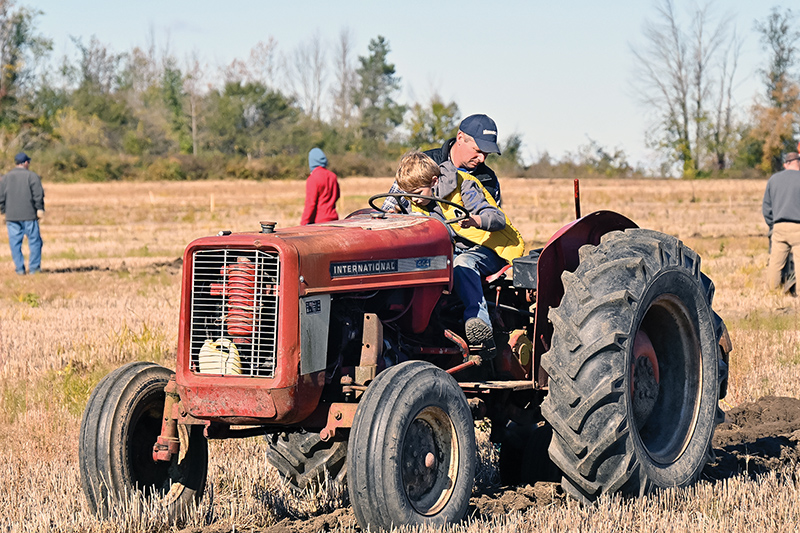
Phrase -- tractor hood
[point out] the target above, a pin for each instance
(255, 307)
(365, 251)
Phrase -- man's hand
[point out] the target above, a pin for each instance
(40, 214)
(474, 221)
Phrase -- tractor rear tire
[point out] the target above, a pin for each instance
(411, 456)
(120, 425)
(617, 428)
(304, 458)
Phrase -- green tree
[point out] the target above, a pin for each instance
(99, 82)
(21, 48)
(511, 151)
(509, 161)
(75, 131)
(46, 102)
(99, 67)
(174, 99)
(432, 125)
(146, 84)
(379, 113)
(775, 119)
(192, 83)
(598, 160)
(248, 119)
(779, 36)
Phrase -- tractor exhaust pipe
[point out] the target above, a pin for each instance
(577, 199)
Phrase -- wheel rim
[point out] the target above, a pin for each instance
(430, 460)
(145, 428)
(665, 400)
(645, 378)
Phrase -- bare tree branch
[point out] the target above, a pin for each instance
(307, 74)
(342, 106)
(679, 76)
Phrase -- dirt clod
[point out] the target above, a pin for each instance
(756, 437)
(510, 499)
(340, 518)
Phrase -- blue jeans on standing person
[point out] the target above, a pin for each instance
(16, 231)
(469, 268)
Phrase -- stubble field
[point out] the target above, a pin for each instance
(109, 294)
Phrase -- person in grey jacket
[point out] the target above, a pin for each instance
(22, 203)
(781, 210)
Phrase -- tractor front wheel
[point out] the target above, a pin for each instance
(411, 456)
(120, 425)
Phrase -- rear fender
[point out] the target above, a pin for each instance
(560, 254)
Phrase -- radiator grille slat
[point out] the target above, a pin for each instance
(234, 312)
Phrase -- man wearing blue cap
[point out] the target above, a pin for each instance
(22, 203)
(467, 151)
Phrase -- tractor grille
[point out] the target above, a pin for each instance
(234, 314)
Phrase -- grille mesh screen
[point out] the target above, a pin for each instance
(234, 312)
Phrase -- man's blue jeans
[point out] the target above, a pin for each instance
(469, 268)
(16, 231)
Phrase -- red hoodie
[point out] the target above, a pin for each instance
(322, 191)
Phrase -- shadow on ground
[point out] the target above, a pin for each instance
(171, 267)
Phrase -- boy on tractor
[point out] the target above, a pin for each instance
(484, 243)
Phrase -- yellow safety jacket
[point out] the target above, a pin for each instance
(507, 242)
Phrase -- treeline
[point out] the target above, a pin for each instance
(687, 73)
(145, 114)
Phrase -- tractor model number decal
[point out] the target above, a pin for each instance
(387, 266)
(423, 263)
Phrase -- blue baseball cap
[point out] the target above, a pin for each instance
(21, 158)
(483, 130)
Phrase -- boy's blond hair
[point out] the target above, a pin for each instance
(416, 170)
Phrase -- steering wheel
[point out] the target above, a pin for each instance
(465, 214)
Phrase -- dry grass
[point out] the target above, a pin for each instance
(110, 295)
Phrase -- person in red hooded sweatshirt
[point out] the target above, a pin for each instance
(322, 191)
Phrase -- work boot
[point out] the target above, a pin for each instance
(479, 335)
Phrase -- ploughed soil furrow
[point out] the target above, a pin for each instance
(755, 438)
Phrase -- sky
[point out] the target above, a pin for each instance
(556, 73)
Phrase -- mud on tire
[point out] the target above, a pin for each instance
(617, 428)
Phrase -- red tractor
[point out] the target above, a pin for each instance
(343, 345)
